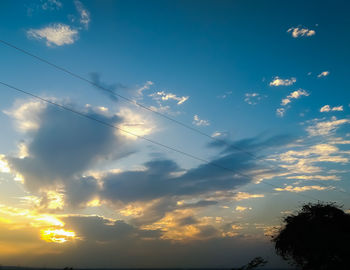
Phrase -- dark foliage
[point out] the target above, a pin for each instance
(317, 237)
(256, 262)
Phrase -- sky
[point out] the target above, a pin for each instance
(181, 136)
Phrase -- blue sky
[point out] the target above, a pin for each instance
(269, 77)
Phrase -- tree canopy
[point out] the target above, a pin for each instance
(317, 237)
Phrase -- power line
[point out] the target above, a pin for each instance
(63, 107)
(134, 102)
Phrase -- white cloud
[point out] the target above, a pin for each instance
(146, 86)
(252, 98)
(325, 128)
(301, 32)
(26, 114)
(56, 34)
(277, 81)
(242, 208)
(169, 96)
(134, 123)
(323, 74)
(327, 108)
(84, 14)
(200, 122)
(246, 196)
(301, 189)
(293, 95)
(315, 177)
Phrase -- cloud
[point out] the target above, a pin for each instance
(323, 74)
(56, 34)
(252, 98)
(147, 85)
(315, 177)
(277, 81)
(200, 122)
(301, 189)
(159, 179)
(51, 5)
(325, 127)
(161, 95)
(225, 95)
(84, 14)
(242, 208)
(280, 112)
(77, 143)
(327, 108)
(245, 196)
(301, 32)
(107, 89)
(293, 95)
(135, 123)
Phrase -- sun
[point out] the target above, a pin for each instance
(57, 235)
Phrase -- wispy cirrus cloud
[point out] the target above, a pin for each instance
(51, 5)
(56, 34)
(322, 127)
(83, 13)
(277, 81)
(200, 122)
(302, 188)
(301, 32)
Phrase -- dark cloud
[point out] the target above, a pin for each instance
(107, 89)
(158, 179)
(251, 146)
(80, 191)
(64, 145)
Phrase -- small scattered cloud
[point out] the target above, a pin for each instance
(225, 95)
(83, 13)
(277, 81)
(147, 85)
(52, 5)
(242, 208)
(301, 32)
(161, 95)
(323, 74)
(280, 112)
(252, 98)
(293, 95)
(56, 34)
(327, 108)
(220, 134)
(200, 122)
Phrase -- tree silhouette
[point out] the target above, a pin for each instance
(256, 262)
(317, 237)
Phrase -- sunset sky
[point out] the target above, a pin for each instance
(253, 96)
